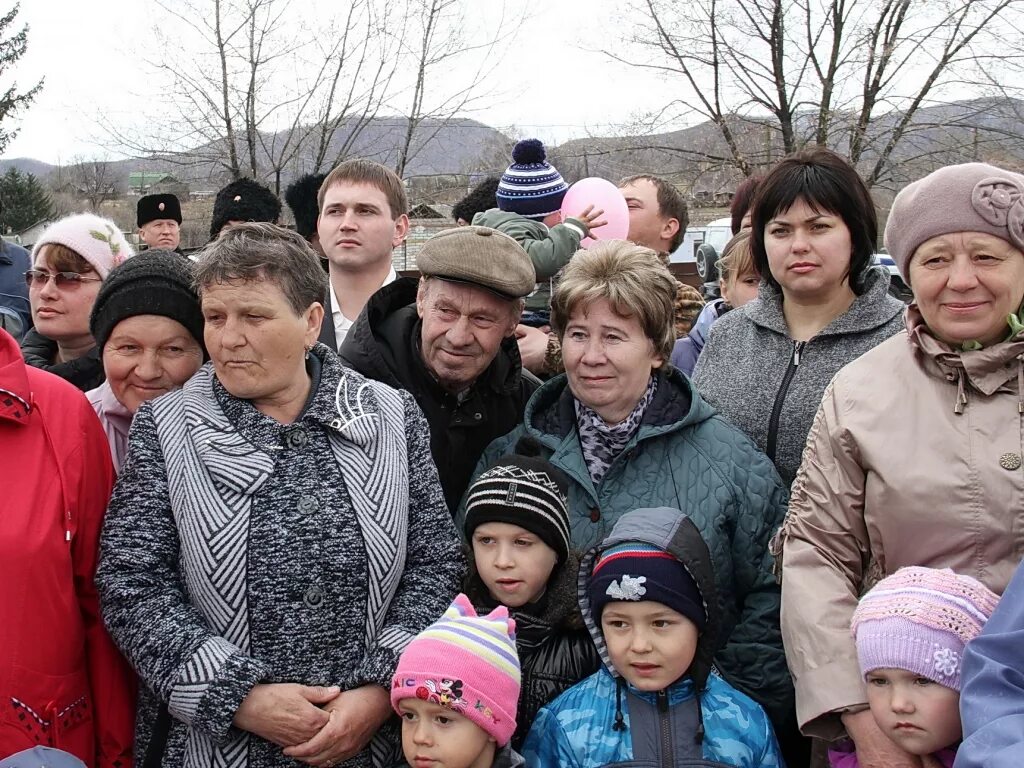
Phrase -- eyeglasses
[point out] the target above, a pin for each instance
(63, 280)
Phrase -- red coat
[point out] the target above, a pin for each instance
(63, 683)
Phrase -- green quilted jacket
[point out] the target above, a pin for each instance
(686, 457)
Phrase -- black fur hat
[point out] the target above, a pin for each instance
(244, 200)
(301, 197)
(481, 198)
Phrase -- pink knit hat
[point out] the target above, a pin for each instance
(95, 239)
(467, 663)
(971, 197)
(920, 619)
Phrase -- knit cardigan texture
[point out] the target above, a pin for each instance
(238, 550)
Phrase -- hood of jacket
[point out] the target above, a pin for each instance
(550, 415)
(671, 531)
(384, 340)
(985, 370)
(871, 309)
(85, 372)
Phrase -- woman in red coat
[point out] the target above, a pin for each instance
(63, 683)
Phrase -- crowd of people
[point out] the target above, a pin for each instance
(273, 504)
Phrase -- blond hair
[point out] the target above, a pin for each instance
(631, 278)
(737, 257)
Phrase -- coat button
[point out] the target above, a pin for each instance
(1010, 461)
(595, 514)
(314, 597)
(297, 439)
(308, 505)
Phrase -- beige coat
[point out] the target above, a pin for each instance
(914, 458)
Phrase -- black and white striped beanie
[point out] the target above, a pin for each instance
(526, 491)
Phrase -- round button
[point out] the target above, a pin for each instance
(314, 597)
(1010, 461)
(297, 439)
(308, 505)
(595, 514)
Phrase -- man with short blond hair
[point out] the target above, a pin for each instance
(363, 218)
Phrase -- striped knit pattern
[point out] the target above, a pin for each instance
(920, 620)
(530, 186)
(631, 550)
(521, 491)
(467, 663)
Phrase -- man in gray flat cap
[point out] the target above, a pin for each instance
(448, 339)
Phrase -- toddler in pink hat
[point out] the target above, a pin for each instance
(910, 632)
(456, 689)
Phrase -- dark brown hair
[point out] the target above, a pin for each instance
(827, 183)
(60, 258)
(742, 199)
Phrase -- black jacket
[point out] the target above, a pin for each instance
(86, 372)
(384, 344)
(555, 648)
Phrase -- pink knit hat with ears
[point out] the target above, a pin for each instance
(920, 619)
(467, 663)
(971, 197)
(95, 239)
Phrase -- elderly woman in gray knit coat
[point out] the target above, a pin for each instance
(277, 535)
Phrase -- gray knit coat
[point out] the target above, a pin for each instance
(749, 369)
(237, 550)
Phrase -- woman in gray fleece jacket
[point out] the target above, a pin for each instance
(820, 306)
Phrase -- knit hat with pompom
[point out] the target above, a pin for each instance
(531, 186)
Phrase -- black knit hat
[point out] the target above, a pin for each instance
(153, 207)
(522, 490)
(301, 197)
(244, 200)
(156, 282)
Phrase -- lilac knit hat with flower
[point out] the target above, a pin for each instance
(971, 197)
(920, 619)
(95, 239)
(467, 663)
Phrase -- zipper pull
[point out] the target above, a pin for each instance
(798, 348)
(662, 699)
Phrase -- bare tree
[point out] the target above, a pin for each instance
(94, 180)
(773, 76)
(435, 39)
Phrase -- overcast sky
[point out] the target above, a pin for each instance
(91, 54)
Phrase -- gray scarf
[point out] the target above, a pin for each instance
(600, 442)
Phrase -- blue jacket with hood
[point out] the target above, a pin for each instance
(992, 699)
(700, 720)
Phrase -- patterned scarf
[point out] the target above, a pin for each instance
(600, 442)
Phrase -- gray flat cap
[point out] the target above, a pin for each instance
(481, 256)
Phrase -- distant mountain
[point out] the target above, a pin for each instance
(696, 158)
(37, 168)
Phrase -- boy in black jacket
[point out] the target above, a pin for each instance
(517, 526)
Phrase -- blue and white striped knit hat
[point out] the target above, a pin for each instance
(531, 187)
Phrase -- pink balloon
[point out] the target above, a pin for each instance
(603, 195)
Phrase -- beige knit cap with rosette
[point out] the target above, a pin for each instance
(972, 197)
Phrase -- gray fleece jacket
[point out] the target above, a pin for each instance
(770, 386)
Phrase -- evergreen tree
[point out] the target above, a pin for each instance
(25, 201)
(12, 48)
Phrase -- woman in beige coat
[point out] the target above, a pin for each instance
(914, 457)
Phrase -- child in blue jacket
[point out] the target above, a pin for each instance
(648, 597)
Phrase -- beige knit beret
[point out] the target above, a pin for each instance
(972, 197)
(481, 256)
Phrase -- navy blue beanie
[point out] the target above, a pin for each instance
(531, 186)
(635, 571)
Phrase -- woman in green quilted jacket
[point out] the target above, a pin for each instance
(630, 431)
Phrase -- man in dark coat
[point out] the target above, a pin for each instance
(448, 340)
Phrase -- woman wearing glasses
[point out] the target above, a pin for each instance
(69, 262)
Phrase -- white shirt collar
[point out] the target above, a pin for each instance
(342, 324)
